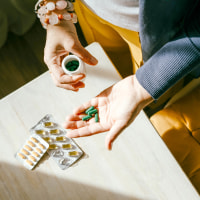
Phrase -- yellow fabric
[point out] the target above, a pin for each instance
(122, 45)
(179, 126)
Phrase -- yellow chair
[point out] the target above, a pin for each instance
(179, 126)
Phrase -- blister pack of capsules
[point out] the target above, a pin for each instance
(32, 151)
(61, 148)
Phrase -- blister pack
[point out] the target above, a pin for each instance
(61, 148)
(32, 151)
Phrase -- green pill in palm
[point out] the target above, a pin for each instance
(96, 117)
(89, 109)
(91, 112)
(86, 118)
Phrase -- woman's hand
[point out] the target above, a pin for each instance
(117, 107)
(61, 40)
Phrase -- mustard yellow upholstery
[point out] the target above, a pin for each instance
(122, 45)
(179, 127)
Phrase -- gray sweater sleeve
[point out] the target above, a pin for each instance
(172, 61)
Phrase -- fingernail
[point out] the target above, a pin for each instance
(80, 76)
(93, 60)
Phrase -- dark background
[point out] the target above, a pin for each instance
(21, 58)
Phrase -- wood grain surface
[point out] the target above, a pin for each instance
(140, 167)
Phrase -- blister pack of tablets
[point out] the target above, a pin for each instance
(61, 148)
(32, 151)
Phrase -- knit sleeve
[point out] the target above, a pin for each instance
(173, 61)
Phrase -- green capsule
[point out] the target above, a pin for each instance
(74, 68)
(71, 66)
(86, 118)
(89, 109)
(75, 62)
(96, 117)
(68, 65)
(94, 111)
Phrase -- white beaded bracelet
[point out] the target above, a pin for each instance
(53, 11)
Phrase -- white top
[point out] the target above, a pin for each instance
(122, 13)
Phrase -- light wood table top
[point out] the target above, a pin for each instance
(140, 167)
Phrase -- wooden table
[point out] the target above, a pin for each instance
(140, 167)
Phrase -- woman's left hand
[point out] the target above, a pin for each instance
(117, 107)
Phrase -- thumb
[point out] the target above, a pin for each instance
(84, 55)
(113, 133)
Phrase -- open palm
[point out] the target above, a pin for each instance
(117, 106)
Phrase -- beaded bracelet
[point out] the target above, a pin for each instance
(53, 11)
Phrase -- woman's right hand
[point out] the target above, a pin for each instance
(61, 40)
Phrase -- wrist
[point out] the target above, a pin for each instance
(65, 25)
(142, 96)
(54, 12)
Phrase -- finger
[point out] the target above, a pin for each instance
(66, 79)
(91, 129)
(79, 85)
(113, 133)
(52, 54)
(63, 78)
(74, 87)
(64, 86)
(73, 117)
(71, 121)
(59, 74)
(82, 108)
(74, 124)
(83, 54)
(60, 55)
